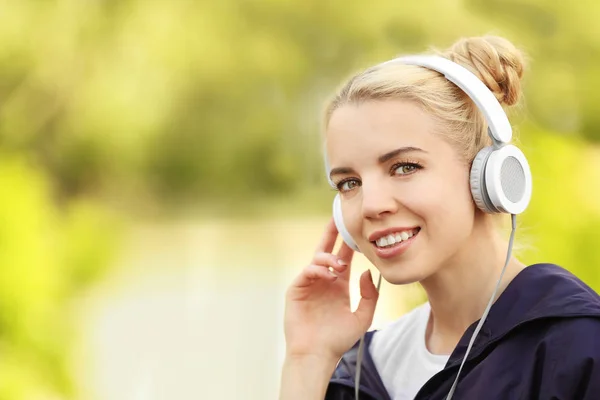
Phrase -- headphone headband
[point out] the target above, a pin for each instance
(499, 127)
(498, 124)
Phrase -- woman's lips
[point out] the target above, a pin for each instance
(396, 249)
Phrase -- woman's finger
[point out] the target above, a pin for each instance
(330, 260)
(312, 273)
(329, 237)
(366, 305)
(345, 253)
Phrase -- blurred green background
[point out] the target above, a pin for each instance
(162, 178)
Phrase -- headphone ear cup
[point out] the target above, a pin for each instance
(508, 180)
(339, 223)
(478, 182)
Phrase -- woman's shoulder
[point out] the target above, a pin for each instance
(568, 358)
(543, 291)
(574, 337)
(549, 305)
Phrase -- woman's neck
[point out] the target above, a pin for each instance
(460, 291)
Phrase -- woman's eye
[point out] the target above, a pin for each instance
(404, 169)
(348, 185)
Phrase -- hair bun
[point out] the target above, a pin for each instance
(495, 60)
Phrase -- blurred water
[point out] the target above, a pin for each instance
(196, 311)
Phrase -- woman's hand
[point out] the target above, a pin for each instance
(318, 320)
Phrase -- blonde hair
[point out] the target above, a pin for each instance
(495, 60)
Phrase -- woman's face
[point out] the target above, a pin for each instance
(396, 175)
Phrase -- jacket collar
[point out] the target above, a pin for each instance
(538, 291)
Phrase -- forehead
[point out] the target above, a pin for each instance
(369, 129)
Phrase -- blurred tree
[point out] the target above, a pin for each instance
(48, 257)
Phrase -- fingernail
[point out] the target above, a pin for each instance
(342, 262)
(331, 272)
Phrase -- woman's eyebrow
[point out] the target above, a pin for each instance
(382, 159)
(340, 171)
(408, 149)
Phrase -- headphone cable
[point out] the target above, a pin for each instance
(489, 306)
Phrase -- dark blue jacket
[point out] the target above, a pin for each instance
(541, 340)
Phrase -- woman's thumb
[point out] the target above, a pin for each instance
(366, 306)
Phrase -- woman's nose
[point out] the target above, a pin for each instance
(377, 200)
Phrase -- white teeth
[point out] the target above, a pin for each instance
(381, 242)
(393, 239)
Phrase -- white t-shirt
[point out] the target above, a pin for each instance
(401, 356)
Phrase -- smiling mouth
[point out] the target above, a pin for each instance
(396, 238)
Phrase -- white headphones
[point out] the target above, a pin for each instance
(500, 174)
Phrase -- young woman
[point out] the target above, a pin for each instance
(401, 140)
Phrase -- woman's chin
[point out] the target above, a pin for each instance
(399, 274)
(404, 279)
(402, 270)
